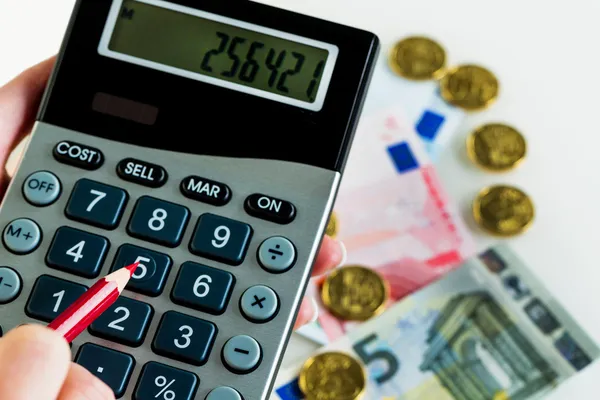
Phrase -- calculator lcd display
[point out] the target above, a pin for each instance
(220, 50)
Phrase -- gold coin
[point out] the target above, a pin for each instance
(503, 210)
(502, 395)
(496, 147)
(332, 376)
(418, 58)
(332, 226)
(355, 293)
(469, 87)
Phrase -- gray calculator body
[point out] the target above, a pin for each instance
(227, 228)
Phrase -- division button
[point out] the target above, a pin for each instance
(78, 155)
(10, 285)
(142, 172)
(22, 236)
(41, 188)
(259, 304)
(241, 354)
(276, 254)
(205, 190)
(224, 393)
(269, 208)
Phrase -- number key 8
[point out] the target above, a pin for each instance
(158, 221)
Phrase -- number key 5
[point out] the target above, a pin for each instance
(221, 239)
(96, 204)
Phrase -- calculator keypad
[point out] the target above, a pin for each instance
(151, 275)
(221, 239)
(110, 366)
(77, 252)
(125, 322)
(184, 338)
(51, 296)
(171, 383)
(203, 288)
(158, 221)
(96, 204)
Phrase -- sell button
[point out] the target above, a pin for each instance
(142, 172)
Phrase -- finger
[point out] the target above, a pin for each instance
(309, 312)
(331, 254)
(82, 385)
(19, 101)
(34, 362)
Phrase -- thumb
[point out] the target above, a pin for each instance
(34, 362)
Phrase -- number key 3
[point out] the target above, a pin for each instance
(221, 239)
(96, 204)
(184, 338)
(203, 288)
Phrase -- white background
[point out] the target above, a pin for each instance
(546, 55)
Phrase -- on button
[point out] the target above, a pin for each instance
(270, 208)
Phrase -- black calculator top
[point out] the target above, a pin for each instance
(212, 116)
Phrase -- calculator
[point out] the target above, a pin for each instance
(205, 140)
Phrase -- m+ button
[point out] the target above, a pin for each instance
(22, 236)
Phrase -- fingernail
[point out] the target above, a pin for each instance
(344, 254)
(315, 307)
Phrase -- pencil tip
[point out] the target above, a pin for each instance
(131, 268)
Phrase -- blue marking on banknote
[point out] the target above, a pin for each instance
(290, 391)
(429, 125)
(403, 157)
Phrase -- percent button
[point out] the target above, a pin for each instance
(277, 254)
(161, 382)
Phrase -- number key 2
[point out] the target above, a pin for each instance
(203, 288)
(51, 296)
(221, 239)
(125, 322)
(184, 338)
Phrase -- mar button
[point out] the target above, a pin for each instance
(142, 172)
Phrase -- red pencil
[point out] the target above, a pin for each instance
(79, 315)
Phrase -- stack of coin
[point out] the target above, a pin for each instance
(355, 293)
(332, 376)
(499, 210)
(332, 226)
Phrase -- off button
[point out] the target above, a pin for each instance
(41, 188)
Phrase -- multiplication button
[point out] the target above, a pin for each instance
(41, 188)
(259, 304)
(22, 236)
(277, 254)
(10, 285)
(159, 381)
(241, 354)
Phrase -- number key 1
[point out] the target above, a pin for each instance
(51, 296)
(96, 204)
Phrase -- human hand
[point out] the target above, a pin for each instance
(34, 361)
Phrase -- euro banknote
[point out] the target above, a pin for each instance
(393, 215)
(434, 120)
(489, 330)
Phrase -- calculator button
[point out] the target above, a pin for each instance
(78, 155)
(242, 354)
(269, 208)
(110, 366)
(125, 322)
(203, 288)
(96, 204)
(10, 285)
(221, 239)
(159, 381)
(142, 172)
(158, 221)
(22, 236)
(77, 252)
(184, 338)
(205, 190)
(51, 296)
(224, 393)
(259, 304)
(276, 254)
(41, 188)
(151, 274)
